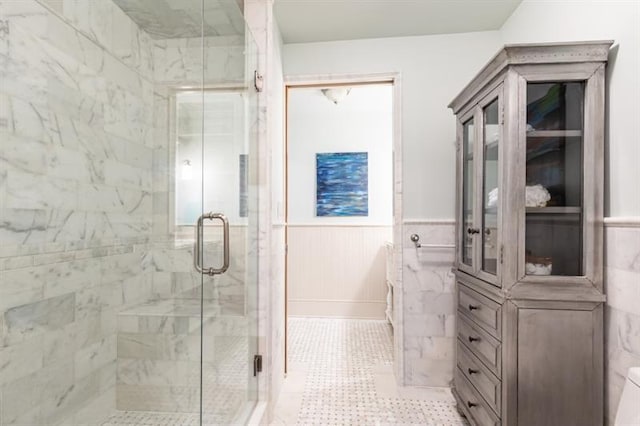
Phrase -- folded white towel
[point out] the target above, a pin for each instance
(536, 196)
(537, 269)
(492, 200)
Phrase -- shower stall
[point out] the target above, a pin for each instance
(128, 213)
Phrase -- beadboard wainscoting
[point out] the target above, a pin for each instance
(337, 270)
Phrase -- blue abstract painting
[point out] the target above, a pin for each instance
(342, 184)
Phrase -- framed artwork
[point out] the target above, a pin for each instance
(342, 184)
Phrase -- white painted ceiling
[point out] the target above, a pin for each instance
(303, 21)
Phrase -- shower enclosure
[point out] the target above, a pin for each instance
(128, 212)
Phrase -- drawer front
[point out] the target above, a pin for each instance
(484, 346)
(484, 311)
(473, 403)
(480, 377)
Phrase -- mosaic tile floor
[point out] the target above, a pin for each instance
(340, 373)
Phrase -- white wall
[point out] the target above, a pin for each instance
(433, 70)
(362, 122)
(535, 21)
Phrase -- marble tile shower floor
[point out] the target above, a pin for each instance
(340, 373)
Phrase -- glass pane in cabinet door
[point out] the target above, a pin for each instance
(467, 191)
(554, 179)
(491, 139)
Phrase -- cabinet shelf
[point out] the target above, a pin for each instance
(554, 210)
(554, 133)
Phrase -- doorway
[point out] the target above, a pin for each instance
(341, 141)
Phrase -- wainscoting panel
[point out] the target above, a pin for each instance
(337, 271)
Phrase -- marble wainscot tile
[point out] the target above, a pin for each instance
(428, 304)
(622, 311)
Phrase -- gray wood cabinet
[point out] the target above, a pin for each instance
(529, 239)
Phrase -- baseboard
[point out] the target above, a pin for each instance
(337, 309)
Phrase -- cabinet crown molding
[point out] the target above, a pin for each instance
(530, 53)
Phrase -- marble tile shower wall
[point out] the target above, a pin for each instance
(622, 313)
(179, 62)
(76, 182)
(428, 305)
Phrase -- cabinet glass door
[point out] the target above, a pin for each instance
(467, 192)
(490, 167)
(554, 179)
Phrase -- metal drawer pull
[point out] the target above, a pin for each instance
(474, 339)
(197, 252)
(474, 307)
(471, 404)
(472, 231)
(471, 371)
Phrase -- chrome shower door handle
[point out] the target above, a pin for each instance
(197, 252)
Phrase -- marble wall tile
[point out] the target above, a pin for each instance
(158, 372)
(23, 322)
(169, 399)
(91, 358)
(76, 113)
(428, 307)
(62, 405)
(18, 289)
(622, 311)
(21, 359)
(101, 407)
(163, 325)
(30, 391)
(159, 346)
(181, 60)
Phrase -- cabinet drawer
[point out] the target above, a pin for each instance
(484, 311)
(481, 344)
(473, 403)
(480, 377)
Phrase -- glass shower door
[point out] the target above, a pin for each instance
(122, 122)
(225, 251)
